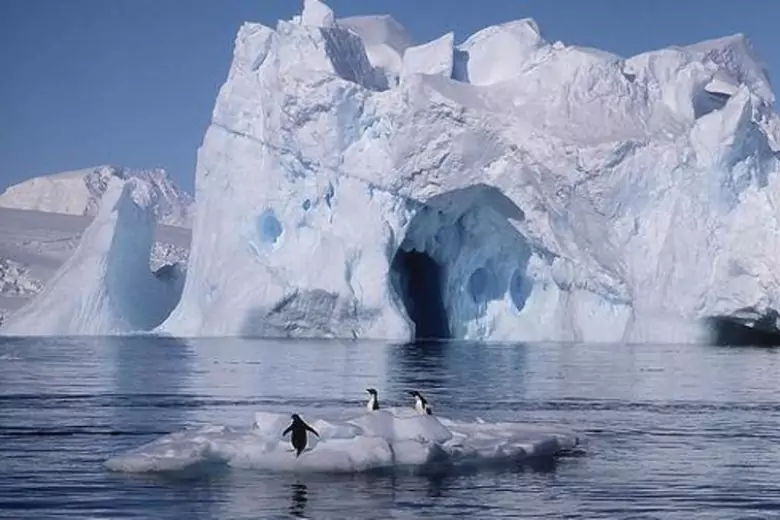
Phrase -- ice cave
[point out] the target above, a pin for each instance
(461, 254)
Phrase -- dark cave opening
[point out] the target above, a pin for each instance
(755, 329)
(418, 281)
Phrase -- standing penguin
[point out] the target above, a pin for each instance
(298, 429)
(420, 404)
(373, 401)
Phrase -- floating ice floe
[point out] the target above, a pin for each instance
(393, 438)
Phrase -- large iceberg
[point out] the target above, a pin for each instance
(107, 286)
(504, 188)
(354, 184)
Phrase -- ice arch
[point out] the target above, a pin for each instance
(461, 261)
(106, 286)
(418, 282)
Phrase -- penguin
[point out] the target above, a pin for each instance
(420, 404)
(298, 429)
(373, 401)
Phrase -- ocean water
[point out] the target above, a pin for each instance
(678, 431)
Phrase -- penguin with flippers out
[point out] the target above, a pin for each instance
(298, 429)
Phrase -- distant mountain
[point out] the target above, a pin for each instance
(79, 192)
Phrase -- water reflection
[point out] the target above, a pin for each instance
(154, 374)
(299, 499)
(288, 371)
(150, 365)
(449, 372)
(420, 363)
(436, 484)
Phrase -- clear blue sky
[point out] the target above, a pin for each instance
(133, 82)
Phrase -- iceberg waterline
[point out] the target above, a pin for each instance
(388, 439)
(507, 188)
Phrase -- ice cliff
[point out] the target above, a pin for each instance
(354, 184)
(79, 193)
(106, 286)
(504, 188)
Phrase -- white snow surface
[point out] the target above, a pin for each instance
(434, 57)
(79, 192)
(565, 193)
(393, 438)
(317, 14)
(106, 286)
(385, 41)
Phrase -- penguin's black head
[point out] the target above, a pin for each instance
(415, 393)
(295, 417)
(371, 391)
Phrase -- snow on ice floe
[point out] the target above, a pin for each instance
(106, 286)
(393, 438)
(505, 188)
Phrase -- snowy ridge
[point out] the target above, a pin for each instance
(385, 41)
(106, 286)
(507, 188)
(79, 192)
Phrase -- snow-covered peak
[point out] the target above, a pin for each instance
(317, 14)
(499, 52)
(379, 30)
(432, 58)
(735, 56)
(385, 41)
(79, 193)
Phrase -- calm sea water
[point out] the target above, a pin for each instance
(672, 431)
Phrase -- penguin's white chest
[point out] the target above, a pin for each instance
(419, 405)
(371, 403)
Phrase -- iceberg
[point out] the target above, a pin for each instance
(353, 183)
(107, 286)
(507, 188)
(395, 439)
